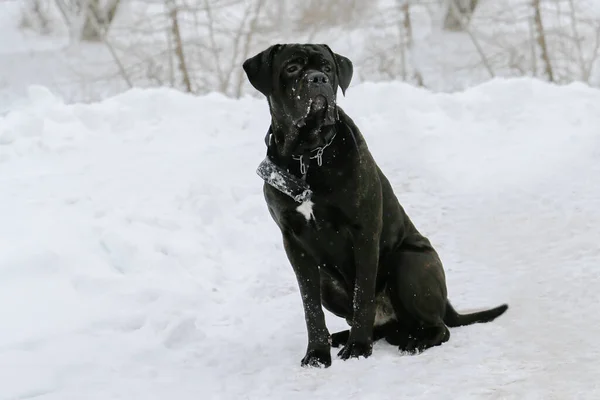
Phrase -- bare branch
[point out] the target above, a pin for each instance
(541, 39)
(96, 25)
(407, 21)
(213, 45)
(179, 45)
(459, 11)
(249, 38)
(484, 59)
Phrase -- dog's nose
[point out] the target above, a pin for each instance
(316, 78)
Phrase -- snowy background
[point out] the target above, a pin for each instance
(197, 46)
(138, 259)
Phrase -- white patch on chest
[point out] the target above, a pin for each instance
(306, 209)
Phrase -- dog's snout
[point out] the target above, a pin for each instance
(317, 78)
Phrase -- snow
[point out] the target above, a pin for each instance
(138, 259)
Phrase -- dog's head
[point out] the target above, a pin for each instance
(300, 82)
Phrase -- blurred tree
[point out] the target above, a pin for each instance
(459, 13)
(199, 46)
(35, 16)
(178, 42)
(540, 35)
(88, 20)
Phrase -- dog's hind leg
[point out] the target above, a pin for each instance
(340, 338)
(418, 293)
(336, 300)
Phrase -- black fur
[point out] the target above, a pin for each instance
(359, 254)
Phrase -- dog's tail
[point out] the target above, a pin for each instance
(454, 319)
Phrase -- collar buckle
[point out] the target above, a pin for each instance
(302, 165)
(319, 156)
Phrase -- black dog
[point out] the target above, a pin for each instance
(351, 245)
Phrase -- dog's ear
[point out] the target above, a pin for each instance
(259, 69)
(344, 68)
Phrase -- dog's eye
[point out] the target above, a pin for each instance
(327, 69)
(292, 68)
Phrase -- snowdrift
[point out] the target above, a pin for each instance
(138, 259)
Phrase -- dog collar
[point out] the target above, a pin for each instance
(318, 152)
(286, 182)
(318, 155)
(283, 181)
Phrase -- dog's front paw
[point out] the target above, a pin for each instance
(355, 350)
(317, 358)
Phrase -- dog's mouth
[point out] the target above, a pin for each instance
(319, 103)
(315, 112)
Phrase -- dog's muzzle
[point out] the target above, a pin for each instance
(316, 100)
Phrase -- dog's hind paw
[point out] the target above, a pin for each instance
(339, 338)
(317, 358)
(356, 350)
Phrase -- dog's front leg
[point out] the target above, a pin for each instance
(318, 352)
(366, 257)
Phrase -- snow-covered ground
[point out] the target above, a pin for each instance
(138, 259)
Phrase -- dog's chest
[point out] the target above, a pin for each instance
(312, 215)
(319, 225)
(306, 209)
(311, 221)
